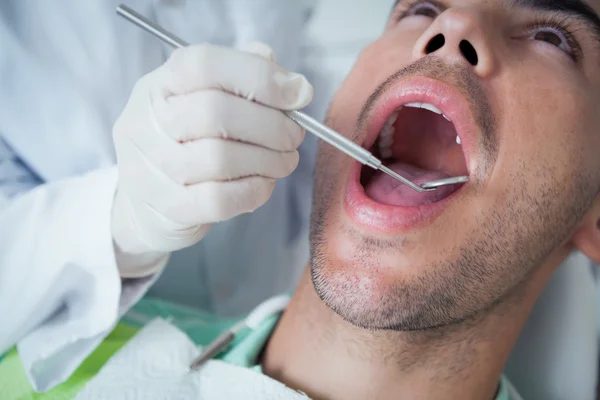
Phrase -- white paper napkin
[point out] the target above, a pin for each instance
(153, 365)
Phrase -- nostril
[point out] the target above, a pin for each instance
(468, 52)
(435, 44)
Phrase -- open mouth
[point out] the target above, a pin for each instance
(420, 143)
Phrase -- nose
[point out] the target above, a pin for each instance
(458, 35)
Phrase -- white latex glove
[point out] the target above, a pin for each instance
(201, 140)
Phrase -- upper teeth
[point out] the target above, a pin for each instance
(427, 106)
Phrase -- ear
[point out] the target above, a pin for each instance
(587, 235)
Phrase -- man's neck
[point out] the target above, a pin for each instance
(315, 351)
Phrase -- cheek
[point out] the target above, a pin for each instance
(329, 176)
(545, 124)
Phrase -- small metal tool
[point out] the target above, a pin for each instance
(310, 124)
(274, 305)
(214, 348)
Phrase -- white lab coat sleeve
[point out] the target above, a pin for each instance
(60, 289)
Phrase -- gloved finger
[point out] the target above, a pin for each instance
(260, 49)
(214, 114)
(219, 201)
(187, 205)
(210, 202)
(202, 67)
(222, 160)
(143, 182)
(159, 232)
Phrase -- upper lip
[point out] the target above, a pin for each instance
(425, 90)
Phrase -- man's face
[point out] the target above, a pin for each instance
(520, 84)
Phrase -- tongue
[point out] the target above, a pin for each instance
(384, 189)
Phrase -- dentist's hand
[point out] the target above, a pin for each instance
(201, 140)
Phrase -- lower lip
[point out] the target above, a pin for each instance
(382, 218)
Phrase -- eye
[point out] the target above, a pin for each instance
(551, 37)
(417, 8)
(424, 9)
(556, 34)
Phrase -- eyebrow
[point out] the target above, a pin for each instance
(575, 8)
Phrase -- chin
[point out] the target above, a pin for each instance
(368, 299)
(382, 283)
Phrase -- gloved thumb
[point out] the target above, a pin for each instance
(260, 49)
(298, 88)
